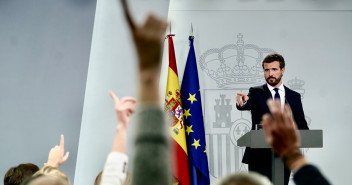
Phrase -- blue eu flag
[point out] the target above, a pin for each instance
(193, 121)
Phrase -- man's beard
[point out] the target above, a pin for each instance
(275, 82)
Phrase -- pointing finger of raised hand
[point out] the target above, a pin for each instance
(275, 109)
(273, 106)
(268, 126)
(114, 97)
(288, 111)
(128, 15)
(288, 116)
(62, 141)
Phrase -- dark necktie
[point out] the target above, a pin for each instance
(277, 95)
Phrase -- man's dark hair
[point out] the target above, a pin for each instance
(16, 175)
(274, 57)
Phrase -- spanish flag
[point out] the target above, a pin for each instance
(173, 107)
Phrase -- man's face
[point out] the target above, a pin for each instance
(273, 73)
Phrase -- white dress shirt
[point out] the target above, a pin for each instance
(281, 93)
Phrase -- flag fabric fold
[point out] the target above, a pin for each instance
(193, 121)
(173, 108)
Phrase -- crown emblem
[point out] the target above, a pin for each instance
(297, 85)
(238, 63)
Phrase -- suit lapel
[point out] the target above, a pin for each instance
(264, 97)
(267, 92)
(288, 96)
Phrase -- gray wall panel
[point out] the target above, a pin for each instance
(44, 54)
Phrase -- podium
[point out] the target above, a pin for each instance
(256, 139)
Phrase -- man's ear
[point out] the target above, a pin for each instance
(283, 70)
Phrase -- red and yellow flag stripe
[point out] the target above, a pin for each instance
(173, 107)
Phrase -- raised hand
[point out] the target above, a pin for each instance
(124, 109)
(147, 38)
(280, 129)
(56, 155)
(241, 98)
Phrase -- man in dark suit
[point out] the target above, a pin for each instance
(259, 160)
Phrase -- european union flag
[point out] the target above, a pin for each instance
(193, 121)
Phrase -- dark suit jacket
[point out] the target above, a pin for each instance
(309, 175)
(258, 107)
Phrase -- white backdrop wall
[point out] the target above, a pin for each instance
(44, 55)
(315, 39)
(112, 66)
